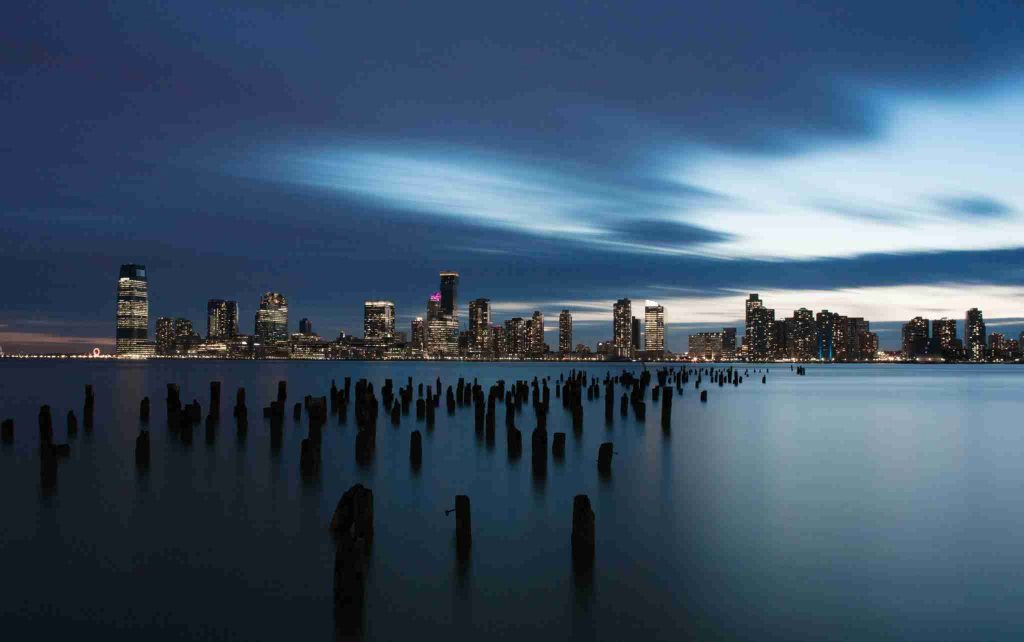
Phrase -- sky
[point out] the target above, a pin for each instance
(862, 158)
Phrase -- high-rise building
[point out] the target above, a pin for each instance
(186, 339)
(517, 337)
(564, 332)
(826, 324)
(636, 335)
(305, 326)
(221, 319)
(654, 330)
(536, 348)
(499, 346)
(760, 322)
(272, 319)
(997, 346)
(450, 294)
(480, 328)
(802, 335)
(728, 344)
(712, 346)
(132, 311)
(622, 328)
(165, 336)
(379, 322)
(915, 337)
(418, 334)
(945, 331)
(974, 335)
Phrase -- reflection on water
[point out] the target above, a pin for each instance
(865, 502)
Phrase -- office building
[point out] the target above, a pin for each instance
(379, 323)
(132, 331)
(165, 336)
(419, 334)
(654, 330)
(802, 335)
(450, 294)
(758, 332)
(272, 319)
(221, 319)
(915, 337)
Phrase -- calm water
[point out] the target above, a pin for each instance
(856, 503)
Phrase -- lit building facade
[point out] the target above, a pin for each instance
(654, 330)
(915, 337)
(221, 319)
(418, 332)
(622, 328)
(379, 322)
(132, 332)
(974, 335)
(564, 332)
(272, 318)
(450, 294)
(536, 341)
(517, 338)
(480, 328)
(757, 336)
(165, 336)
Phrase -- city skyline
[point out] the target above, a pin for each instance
(827, 336)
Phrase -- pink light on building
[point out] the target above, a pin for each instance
(436, 296)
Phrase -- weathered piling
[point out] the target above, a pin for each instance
(142, 449)
(309, 458)
(703, 395)
(539, 448)
(666, 409)
(558, 445)
(421, 410)
(463, 524)
(583, 533)
(297, 411)
(396, 415)
(72, 423)
(514, 441)
(282, 390)
(624, 405)
(415, 449)
(87, 410)
(604, 458)
(352, 525)
(45, 425)
(144, 410)
(7, 431)
(215, 400)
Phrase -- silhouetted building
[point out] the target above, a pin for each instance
(132, 331)
(221, 319)
(418, 334)
(565, 332)
(450, 294)
(974, 335)
(915, 337)
(654, 330)
(635, 336)
(622, 328)
(305, 326)
(945, 331)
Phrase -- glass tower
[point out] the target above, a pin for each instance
(132, 311)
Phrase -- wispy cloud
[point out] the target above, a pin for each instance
(973, 207)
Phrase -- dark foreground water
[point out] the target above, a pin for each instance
(856, 503)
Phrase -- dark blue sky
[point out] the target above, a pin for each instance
(864, 159)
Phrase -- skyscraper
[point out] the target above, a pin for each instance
(132, 311)
(802, 335)
(826, 324)
(915, 337)
(636, 335)
(165, 336)
(221, 319)
(305, 326)
(419, 334)
(480, 328)
(272, 318)
(654, 330)
(758, 333)
(442, 329)
(536, 348)
(945, 331)
(622, 328)
(379, 322)
(517, 337)
(565, 332)
(974, 335)
(450, 294)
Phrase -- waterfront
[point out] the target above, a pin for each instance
(858, 502)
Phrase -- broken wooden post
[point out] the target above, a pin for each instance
(583, 533)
